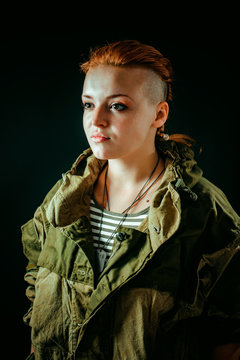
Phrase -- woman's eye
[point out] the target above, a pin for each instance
(87, 105)
(118, 107)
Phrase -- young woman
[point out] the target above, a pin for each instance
(133, 254)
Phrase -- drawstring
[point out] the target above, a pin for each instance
(181, 186)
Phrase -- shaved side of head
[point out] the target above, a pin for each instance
(155, 88)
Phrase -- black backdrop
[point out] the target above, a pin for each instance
(42, 130)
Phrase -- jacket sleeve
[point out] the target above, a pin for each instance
(219, 272)
(33, 237)
(210, 246)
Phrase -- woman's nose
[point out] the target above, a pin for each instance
(99, 118)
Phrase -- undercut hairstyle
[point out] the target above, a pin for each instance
(132, 53)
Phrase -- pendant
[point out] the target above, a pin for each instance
(101, 259)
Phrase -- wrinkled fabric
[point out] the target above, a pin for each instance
(170, 290)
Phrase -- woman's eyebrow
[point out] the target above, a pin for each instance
(110, 96)
(118, 95)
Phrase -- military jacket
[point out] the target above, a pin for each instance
(170, 290)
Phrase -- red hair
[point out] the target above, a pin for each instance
(130, 53)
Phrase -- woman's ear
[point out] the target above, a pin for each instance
(162, 110)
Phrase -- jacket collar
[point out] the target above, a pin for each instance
(72, 199)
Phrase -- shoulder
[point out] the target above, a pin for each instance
(214, 196)
(217, 221)
(78, 168)
(50, 194)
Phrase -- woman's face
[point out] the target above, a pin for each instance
(118, 115)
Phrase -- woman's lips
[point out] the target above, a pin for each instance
(99, 138)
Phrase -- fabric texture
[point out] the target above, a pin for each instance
(171, 289)
(104, 224)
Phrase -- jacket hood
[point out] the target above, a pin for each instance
(182, 158)
(73, 197)
(179, 155)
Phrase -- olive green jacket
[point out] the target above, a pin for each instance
(170, 290)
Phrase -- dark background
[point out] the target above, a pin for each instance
(42, 128)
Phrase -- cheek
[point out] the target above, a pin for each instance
(132, 134)
(126, 130)
(139, 126)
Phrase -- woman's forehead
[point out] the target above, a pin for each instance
(110, 79)
(115, 74)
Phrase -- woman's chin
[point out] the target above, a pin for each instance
(104, 155)
(101, 155)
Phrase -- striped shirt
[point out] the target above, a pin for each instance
(104, 224)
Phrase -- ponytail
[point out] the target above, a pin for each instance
(180, 138)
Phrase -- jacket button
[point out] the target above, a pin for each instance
(120, 236)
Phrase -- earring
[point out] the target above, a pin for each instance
(161, 133)
(165, 137)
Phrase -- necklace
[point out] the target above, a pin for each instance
(101, 253)
(139, 195)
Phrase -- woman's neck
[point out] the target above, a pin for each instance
(132, 180)
(125, 178)
(130, 172)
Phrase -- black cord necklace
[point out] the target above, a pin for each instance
(139, 196)
(102, 254)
